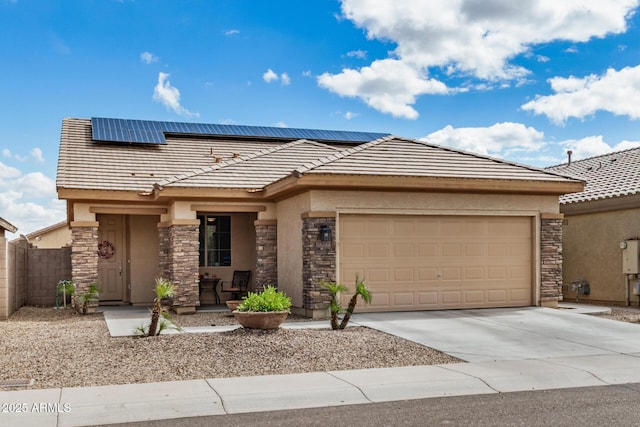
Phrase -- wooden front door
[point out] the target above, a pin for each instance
(112, 256)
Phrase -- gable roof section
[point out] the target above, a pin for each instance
(255, 170)
(398, 163)
(407, 157)
(608, 176)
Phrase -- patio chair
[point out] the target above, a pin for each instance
(239, 284)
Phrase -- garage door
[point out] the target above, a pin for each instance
(437, 262)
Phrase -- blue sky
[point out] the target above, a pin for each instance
(523, 81)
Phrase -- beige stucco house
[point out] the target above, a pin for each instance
(54, 236)
(427, 227)
(599, 223)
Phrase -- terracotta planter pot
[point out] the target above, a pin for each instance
(260, 320)
(232, 304)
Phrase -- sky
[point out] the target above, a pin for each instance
(523, 81)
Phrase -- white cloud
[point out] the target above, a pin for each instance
(388, 85)
(281, 125)
(269, 76)
(595, 146)
(148, 58)
(362, 54)
(36, 154)
(6, 152)
(169, 96)
(615, 91)
(466, 37)
(500, 140)
(29, 201)
(231, 32)
(8, 171)
(350, 115)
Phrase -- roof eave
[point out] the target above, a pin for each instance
(294, 184)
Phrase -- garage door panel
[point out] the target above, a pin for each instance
(403, 298)
(433, 262)
(451, 297)
(427, 298)
(474, 297)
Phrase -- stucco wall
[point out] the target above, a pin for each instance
(431, 203)
(290, 246)
(143, 257)
(53, 239)
(591, 251)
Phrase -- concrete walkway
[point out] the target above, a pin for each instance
(618, 364)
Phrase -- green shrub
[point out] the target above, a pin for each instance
(270, 299)
(65, 286)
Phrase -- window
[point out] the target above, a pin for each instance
(215, 240)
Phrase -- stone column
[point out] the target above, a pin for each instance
(163, 255)
(550, 259)
(266, 253)
(84, 256)
(184, 266)
(318, 262)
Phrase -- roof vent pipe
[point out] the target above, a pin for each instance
(218, 159)
(236, 155)
(569, 153)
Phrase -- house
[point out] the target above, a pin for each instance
(6, 291)
(51, 237)
(598, 223)
(427, 227)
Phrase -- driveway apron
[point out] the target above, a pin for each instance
(509, 333)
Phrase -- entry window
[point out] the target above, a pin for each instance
(215, 240)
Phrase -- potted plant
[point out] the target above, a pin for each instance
(263, 310)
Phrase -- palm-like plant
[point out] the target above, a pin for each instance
(336, 308)
(164, 289)
(83, 300)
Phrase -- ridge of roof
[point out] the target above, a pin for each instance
(239, 159)
(596, 157)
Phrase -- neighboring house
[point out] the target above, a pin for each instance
(427, 227)
(52, 237)
(597, 222)
(6, 306)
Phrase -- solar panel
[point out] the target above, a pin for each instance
(153, 132)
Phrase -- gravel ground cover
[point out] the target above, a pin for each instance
(61, 349)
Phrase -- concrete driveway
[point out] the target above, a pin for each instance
(509, 333)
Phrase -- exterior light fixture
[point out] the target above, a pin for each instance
(325, 233)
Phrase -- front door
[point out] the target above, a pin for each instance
(111, 257)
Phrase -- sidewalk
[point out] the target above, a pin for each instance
(218, 396)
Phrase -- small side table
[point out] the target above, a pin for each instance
(212, 282)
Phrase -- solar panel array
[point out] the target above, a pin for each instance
(153, 132)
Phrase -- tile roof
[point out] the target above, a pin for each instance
(255, 170)
(396, 156)
(188, 161)
(607, 176)
(84, 164)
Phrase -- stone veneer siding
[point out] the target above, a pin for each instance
(163, 255)
(266, 255)
(551, 261)
(184, 264)
(318, 262)
(84, 257)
